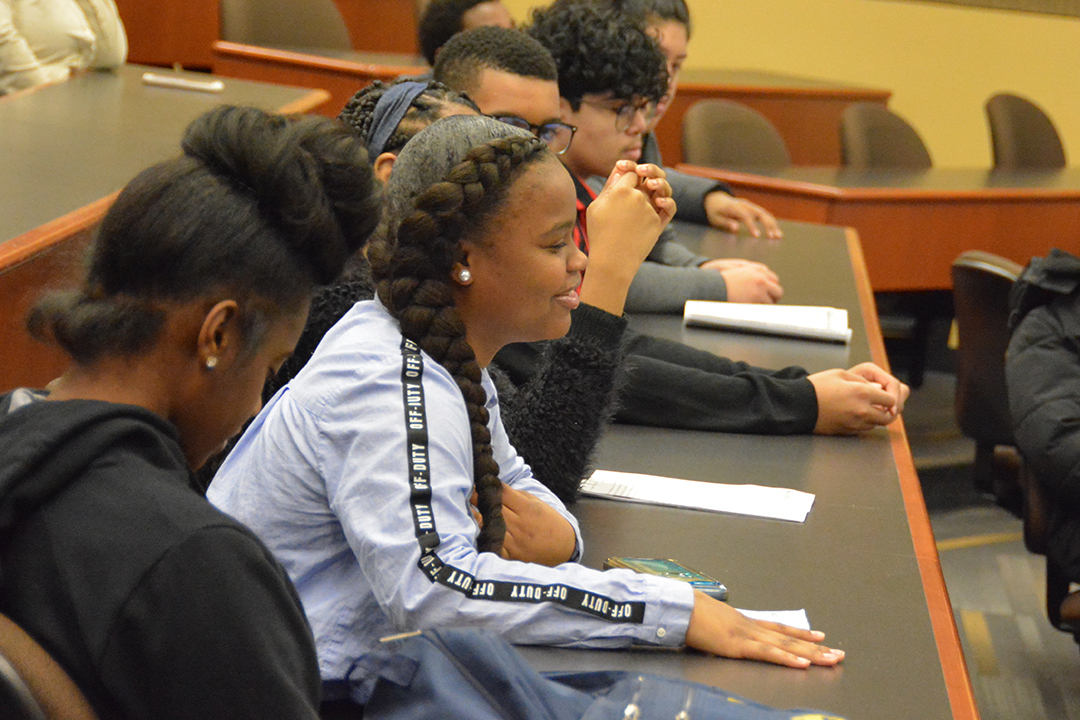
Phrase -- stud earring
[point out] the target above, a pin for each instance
(464, 275)
(211, 362)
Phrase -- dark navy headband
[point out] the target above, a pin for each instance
(391, 107)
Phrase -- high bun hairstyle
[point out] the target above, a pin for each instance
(259, 209)
(426, 108)
(447, 183)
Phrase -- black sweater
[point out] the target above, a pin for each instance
(158, 605)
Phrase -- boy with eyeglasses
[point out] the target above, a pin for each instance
(513, 77)
(611, 76)
(510, 77)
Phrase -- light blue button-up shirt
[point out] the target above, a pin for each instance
(323, 476)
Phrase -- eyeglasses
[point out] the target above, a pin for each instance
(556, 135)
(624, 114)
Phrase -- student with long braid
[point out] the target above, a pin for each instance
(359, 474)
(555, 419)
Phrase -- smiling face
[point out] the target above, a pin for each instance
(673, 40)
(525, 267)
(598, 144)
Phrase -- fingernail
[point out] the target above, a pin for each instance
(836, 655)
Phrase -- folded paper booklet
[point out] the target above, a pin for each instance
(757, 500)
(803, 321)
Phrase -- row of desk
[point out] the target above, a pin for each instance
(863, 565)
(914, 223)
(805, 111)
(65, 151)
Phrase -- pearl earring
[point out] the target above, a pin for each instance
(464, 275)
(211, 362)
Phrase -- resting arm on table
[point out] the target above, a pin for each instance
(672, 274)
(672, 385)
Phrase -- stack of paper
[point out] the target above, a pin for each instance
(804, 321)
(778, 503)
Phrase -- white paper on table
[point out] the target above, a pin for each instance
(792, 618)
(768, 502)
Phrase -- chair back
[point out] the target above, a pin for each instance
(311, 24)
(872, 136)
(981, 285)
(724, 133)
(33, 686)
(1022, 134)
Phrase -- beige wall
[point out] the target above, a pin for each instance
(941, 62)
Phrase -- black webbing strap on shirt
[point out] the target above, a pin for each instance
(412, 372)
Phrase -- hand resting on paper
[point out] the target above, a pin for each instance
(857, 400)
(720, 629)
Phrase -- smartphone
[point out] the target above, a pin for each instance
(671, 569)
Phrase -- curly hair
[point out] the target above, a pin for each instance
(440, 21)
(599, 52)
(447, 184)
(359, 112)
(466, 55)
(647, 12)
(259, 206)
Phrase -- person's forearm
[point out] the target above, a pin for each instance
(664, 289)
(556, 416)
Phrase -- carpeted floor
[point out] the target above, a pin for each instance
(1021, 667)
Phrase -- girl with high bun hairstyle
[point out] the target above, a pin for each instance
(359, 474)
(158, 605)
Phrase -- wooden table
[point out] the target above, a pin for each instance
(806, 112)
(864, 565)
(65, 150)
(340, 73)
(913, 224)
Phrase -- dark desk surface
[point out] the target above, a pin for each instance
(65, 151)
(913, 224)
(861, 563)
(953, 182)
(65, 146)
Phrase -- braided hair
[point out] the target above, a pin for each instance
(447, 184)
(428, 107)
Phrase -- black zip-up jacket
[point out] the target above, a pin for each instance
(159, 606)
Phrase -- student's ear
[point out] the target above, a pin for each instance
(219, 338)
(460, 273)
(383, 165)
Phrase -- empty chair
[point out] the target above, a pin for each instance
(1022, 134)
(724, 133)
(981, 285)
(312, 24)
(872, 136)
(33, 686)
